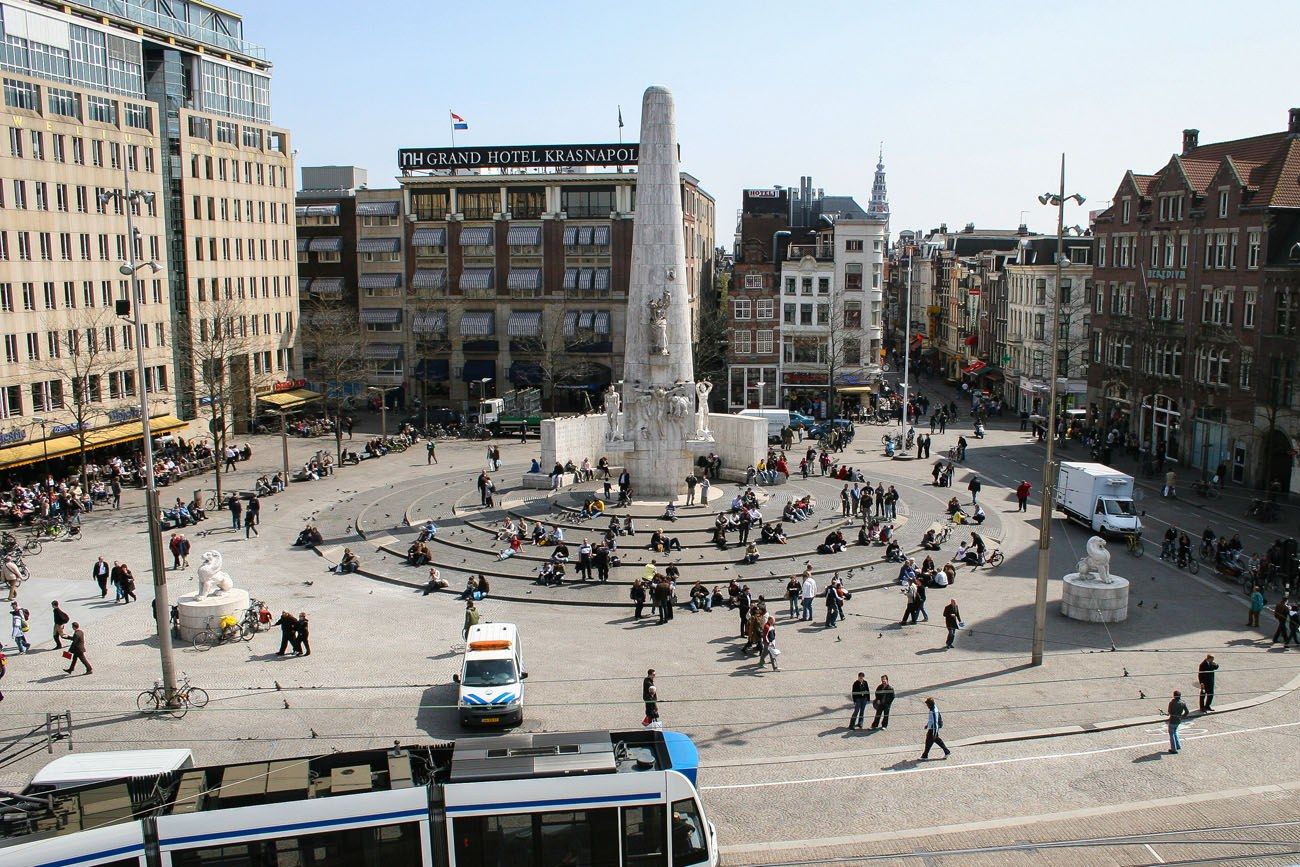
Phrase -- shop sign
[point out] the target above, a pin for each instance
(127, 414)
(11, 436)
(289, 385)
(800, 378)
(518, 156)
(59, 429)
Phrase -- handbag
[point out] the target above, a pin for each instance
(67, 654)
(875, 703)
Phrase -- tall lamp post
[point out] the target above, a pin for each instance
(1057, 200)
(45, 442)
(383, 405)
(482, 391)
(130, 311)
(907, 343)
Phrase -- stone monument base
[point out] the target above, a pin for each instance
(194, 614)
(1094, 602)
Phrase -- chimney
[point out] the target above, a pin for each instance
(1191, 137)
(970, 227)
(1022, 229)
(943, 228)
(1293, 121)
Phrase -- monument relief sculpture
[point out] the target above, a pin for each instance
(659, 323)
(612, 402)
(702, 390)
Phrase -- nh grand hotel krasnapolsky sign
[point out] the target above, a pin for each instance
(517, 157)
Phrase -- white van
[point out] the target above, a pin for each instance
(492, 676)
(81, 768)
(776, 420)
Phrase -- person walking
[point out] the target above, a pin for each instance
(255, 508)
(288, 633)
(1205, 677)
(650, 695)
(116, 487)
(250, 523)
(1256, 607)
(236, 509)
(909, 613)
(20, 627)
(61, 619)
(100, 572)
(974, 488)
(832, 597)
(174, 545)
(115, 577)
(767, 644)
(1282, 614)
(1022, 496)
(128, 584)
(432, 448)
(884, 698)
(1177, 712)
(303, 634)
(78, 650)
(860, 692)
(933, 723)
(952, 620)
(471, 618)
(637, 595)
(663, 600)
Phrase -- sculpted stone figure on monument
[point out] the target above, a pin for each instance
(612, 402)
(212, 580)
(659, 323)
(702, 390)
(1095, 564)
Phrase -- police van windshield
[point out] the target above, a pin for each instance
(489, 672)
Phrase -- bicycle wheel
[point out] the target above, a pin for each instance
(1135, 546)
(206, 640)
(195, 696)
(247, 630)
(996, 558)
(1193, 565)
(147, 701)
(32, 546)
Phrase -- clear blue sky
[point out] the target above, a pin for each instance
(974, 101)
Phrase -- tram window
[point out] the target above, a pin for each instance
(688, 834)
(379, 846)
(644, 840)
(581, 839)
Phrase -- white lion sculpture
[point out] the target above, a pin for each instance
(1095, 565)
(212, 580)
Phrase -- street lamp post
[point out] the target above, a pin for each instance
(482, 390)
(1048, 495)
(130, 310)
(45, 442)
(383, 405)
(907, 342)
(759, 385)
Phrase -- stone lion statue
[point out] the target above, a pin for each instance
(212, 580)
(1095, 565)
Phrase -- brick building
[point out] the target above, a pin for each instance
(1196, 309)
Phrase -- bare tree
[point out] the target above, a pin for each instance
(85, 362)
(333, 354)
(559, 348)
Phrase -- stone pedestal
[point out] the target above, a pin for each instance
(1093, 601)
(194, 613)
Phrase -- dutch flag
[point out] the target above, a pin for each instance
(458, 122)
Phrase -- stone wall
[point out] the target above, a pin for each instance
(573, 438)
(740, 440)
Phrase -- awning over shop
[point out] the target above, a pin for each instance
(476, 236)
(57, 447)
(381, 315)
(972, 339)
(437, 369)
(525, 323)
(429, 278)
(477, 323)
(478, 368)
(377, 209)
(429, 238)
(974, 367)
(524, 236)
(379, 245)
(285, 400)
(325, 245)
(855, 389)
(526, 373)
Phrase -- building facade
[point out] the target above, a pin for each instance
(1194, 327)
(175, 104)
(471, 284)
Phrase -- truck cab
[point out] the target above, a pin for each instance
(1098, 497)
(492, 677)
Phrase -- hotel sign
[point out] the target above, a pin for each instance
(1166, 274)
(518, 156)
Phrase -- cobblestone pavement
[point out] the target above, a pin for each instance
(779, 764)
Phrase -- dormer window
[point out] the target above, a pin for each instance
(1223, 203)
(1126, 210)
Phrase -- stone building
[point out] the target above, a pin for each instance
(1196, 319)
(177, 103)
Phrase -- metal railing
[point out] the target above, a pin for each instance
(149, 18)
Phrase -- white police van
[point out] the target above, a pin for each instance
(492, 676)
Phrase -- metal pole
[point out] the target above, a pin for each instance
(162, 606)
(284, 445)
(1048, 494)
(907, 339)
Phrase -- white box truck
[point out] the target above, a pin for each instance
(1097, 497)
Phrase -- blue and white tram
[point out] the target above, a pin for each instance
(587, 799)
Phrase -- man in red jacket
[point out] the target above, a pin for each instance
(1022, 496)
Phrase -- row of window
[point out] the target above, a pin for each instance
(236, 287)
(68, 198)
(61, 102)
(520, 203)
(53, 394)
(745, 342)
(210, 168)
(62, 148)
(243, 326)
(821, 350)
(1170, 206)
(76, 342)
(1212, 365)
(90, 296)
(1167, 303)
(1220, 250)
(234, 249)
(44, 248)
(233, 210)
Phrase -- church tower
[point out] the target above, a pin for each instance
(879, 207)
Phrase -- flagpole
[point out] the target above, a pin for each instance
(619, 169)
(452, 124)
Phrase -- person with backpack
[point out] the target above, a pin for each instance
(933, 723)
(19, 617)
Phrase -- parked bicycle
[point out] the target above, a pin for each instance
(228, 630)
(257, 617)
(154, 701)
(1133, 543)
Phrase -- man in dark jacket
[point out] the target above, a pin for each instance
(236, 509)
(288, 633)
(1177, 713)
(861, 694)
(884, 698)
(100, 572)
(952, 620)
(1205, 676)
(61, 619)
(78, 650)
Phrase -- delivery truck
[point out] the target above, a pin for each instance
(1097, 497)
(511, 411)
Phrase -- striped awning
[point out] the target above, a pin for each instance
(585, 319)
(429, 278)
(525, 323)
(585, 277)
(379, 245)
(429, 238)
(570, 278)
(302, 244)
(325, 245)
(476, 236)
(601, 325)
(570, 323)
(476, 278)
(524, 278)
(381, 315)
(318, 211)
(380, 281)
(600, 237)
(477, 323)
(584, 236)
(377, 209)
(602, 278)
(304, 283)
(383, 351)
(429, 322)
(524, 236)
(331, 287)
(570, 235)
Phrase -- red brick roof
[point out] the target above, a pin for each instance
(1283, 185)
(1268, 164)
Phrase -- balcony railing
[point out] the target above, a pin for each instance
(820, 252)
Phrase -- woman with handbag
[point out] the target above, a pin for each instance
(767, 646)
